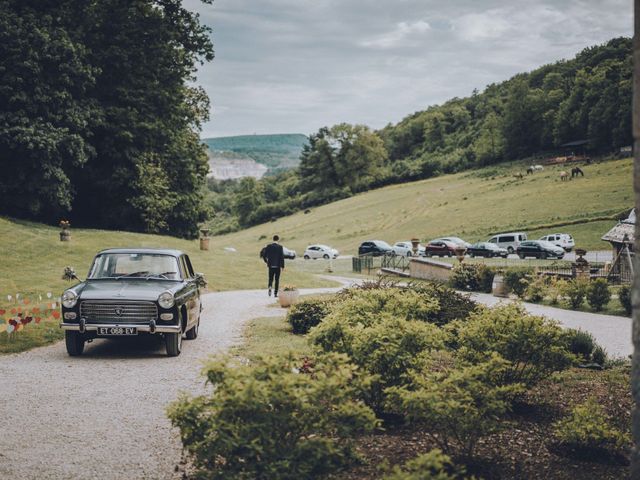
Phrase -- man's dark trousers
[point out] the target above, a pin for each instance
(274, 274)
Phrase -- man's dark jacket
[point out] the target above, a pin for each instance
(274, 255)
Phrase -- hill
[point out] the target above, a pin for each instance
(247, 153)
(472, 204)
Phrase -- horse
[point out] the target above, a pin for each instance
(518, 175)
(530, 170)
(576, 171)
(564, 176)
(537, 168)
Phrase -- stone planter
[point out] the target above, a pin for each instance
(415, 246)
(288, 298)
(65, 235)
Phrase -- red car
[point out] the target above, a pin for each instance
(440, 248)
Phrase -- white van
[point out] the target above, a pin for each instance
(563, 240)
(510, 241)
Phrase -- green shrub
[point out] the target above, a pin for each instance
(452, 305)
(516, 280)
(584, 346)
(533, 346)
(308, 313)
(474, 277)
(599, 355)
(273, 419)
(574, 291)
(386, 348)
(434, 465)
(624, 295)
(598, 294)
(457, 406)
(536, 288)
(589, 427)
(555, 290)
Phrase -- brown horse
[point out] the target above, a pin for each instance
(576, 171)
(518, 175)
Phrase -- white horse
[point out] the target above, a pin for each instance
(539, 168)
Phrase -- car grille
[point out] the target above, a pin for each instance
(101, 312)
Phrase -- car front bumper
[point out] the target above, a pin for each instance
(150, 327)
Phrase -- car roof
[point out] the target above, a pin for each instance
(154, 251)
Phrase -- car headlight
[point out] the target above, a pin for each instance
(69, 299)
(166, 300)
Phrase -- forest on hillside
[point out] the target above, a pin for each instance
(99, 115)
(530, 115)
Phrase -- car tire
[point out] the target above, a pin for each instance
(306, 257)
(74, 342)
(472, 255)
(521, 255)
(510, 250)
(173, 343)
(543, 255)
(325, 256)
(192, 333)
(409, 254)
(449, 254)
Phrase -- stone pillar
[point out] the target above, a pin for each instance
(635, 371)
(204, 239)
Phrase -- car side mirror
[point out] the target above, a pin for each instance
(70, 274)
(200, 280)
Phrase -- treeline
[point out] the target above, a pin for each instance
(99, 120)
(531, 114)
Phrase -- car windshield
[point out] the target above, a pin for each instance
(548, 244)
(382, 244)
(135, 265)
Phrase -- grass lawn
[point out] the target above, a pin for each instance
(270, 335)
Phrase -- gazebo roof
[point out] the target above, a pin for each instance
(625, 228)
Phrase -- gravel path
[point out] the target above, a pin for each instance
(102, 415)
(610, 331)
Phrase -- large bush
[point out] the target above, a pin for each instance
(434, 465)
(533, 346)
(517, 279)
(589, 427)
(598, 294)
(386, 348)
(457, 406)
(624, 294)
(474, 277)
(274, 419)
(308, 313)
(452, 305)
(584, 346)
(574, 291)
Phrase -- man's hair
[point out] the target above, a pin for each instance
(276, 238)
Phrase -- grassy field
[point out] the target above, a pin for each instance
(473, 205)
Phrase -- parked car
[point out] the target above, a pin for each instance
(374, 247)
(405, 249)
(487, 249)
(510, 241)
(456, 240)
(131, 291)
(289, 254)
(320, 251)
(539, 249)
(440, 248)
(563, 240)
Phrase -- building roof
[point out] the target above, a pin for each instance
(624, 228)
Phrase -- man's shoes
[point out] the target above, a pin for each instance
(270, 293)
(275, 294)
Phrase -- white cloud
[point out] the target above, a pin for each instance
(402, 35)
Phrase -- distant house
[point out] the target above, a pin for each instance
(622, 238)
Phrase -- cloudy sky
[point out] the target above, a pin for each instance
(293, 66)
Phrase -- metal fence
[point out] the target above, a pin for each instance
(395, 262)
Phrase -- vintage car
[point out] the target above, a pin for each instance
(131, 291)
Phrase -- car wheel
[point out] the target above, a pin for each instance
(74, 342)
(306, 257)
(192, 333)
(472, 255)
(409, 254)
(449, 254)
(173, 343)
(325, 256)
(521, 255)
(543, 256)
(510, 250)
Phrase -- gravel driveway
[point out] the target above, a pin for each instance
(102, 415)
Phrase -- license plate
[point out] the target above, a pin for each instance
(117, 331)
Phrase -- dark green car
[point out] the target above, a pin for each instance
(131, 292)
(539, 249)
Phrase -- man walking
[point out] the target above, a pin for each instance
(274, 258)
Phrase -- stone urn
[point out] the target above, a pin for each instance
(65, 233)
(415, 246)
(288, 297)
(460, 251)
